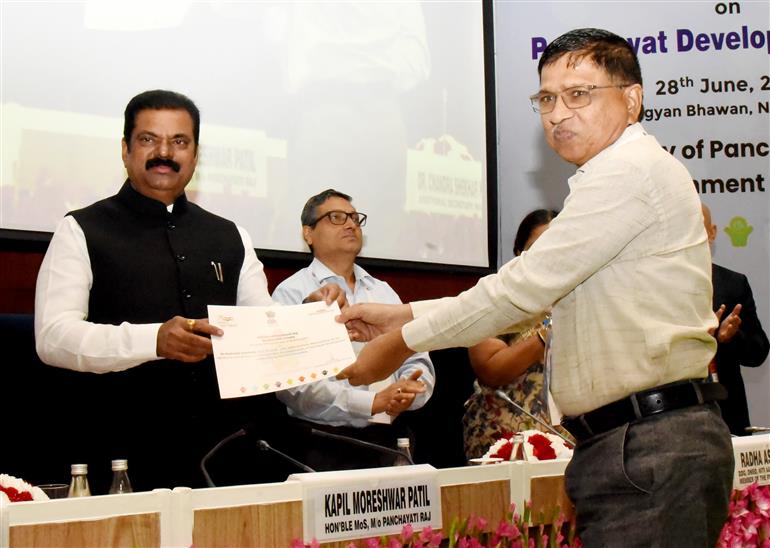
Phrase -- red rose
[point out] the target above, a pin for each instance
(541, 447)
(14, 495)
(505, 451)
(24, 496)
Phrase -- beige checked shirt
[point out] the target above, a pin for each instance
(627, 270)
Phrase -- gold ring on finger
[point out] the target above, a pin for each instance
(191, 324)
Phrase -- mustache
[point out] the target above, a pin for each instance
(155, 162)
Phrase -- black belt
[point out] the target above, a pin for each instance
(643, 404)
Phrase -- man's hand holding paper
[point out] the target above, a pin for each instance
(367, 321)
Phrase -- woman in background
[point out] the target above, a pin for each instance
(512, 363)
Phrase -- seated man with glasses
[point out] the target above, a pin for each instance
(331, 226)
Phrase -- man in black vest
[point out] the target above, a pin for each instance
(121, 297)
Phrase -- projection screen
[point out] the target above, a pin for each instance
(381, 100)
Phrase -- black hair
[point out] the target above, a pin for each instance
(607, 50)
(528, 224)
(159, 99)
(308, 216)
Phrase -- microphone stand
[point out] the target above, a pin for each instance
(369, 445)
(264, 446)
(217, 447)
(502, 395)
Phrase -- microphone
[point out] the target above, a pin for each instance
(361, 443)
(502, 395)
(212, 452)
(753, 429)
(264, 446)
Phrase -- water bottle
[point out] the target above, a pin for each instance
(120, 481)
(403, 448)
(79, 483)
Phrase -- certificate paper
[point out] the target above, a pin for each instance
(270, 348)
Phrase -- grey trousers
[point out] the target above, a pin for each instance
(659, 482)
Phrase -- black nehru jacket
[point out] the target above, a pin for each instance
(149, 265)
(748, 348)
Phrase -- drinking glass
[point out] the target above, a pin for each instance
(55, 490)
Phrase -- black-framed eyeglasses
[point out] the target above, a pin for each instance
(338, 217)
(574, 97)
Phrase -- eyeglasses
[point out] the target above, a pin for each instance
(574, 97)
(337, 217)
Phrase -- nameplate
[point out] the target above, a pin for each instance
(752, 460)
(353, 504)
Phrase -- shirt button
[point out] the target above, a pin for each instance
(181, 257)
(186, 294)
(171, 225)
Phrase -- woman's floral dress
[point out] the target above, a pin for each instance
(487, 417)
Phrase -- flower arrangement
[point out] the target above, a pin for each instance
(18, 490)
(536, 446)
(748, 521)
(512, 532)
(427, 538)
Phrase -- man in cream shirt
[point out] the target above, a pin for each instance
(626, 268)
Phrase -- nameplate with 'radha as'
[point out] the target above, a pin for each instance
(752, 461)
